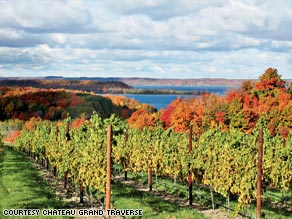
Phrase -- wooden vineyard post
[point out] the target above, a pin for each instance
(190, 172)
(150, 178)
(55, 168)
(108, 170)
(81, 195)
(260, 173)
(55, 172)
(126, 142)
(150, 173)
(65, 179)
(68, 139)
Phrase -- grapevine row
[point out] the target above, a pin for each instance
(224, 160)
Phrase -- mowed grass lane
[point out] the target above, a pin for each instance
(22, 187)
(127, 197)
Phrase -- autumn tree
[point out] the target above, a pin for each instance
(247, 86)
(182, 116)
(269, 81)
(166, 113)
(143, 117)
(271, 73)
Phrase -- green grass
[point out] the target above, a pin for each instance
(126, 197)
(272, 207)
(22, 187)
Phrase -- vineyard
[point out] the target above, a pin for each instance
(232, 151)
(154, 109)
(224, 161)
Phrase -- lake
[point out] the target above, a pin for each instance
(160, 101)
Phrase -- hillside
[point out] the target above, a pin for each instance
(101, 85)
(84, 85)
(54, 104)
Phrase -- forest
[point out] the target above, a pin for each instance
(84, 85)
(53, 104)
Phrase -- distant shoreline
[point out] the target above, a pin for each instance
(100, 87)
(136, 81)
(158, 92)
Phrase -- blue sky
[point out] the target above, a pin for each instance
(149, 38)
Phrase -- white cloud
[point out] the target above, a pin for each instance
(184, 38)
(287, 45)
(44, 15)
(10, 34)
(160, 9)
(59, 38)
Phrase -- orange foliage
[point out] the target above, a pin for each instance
(124, 101)
(284, 99)
(143, 117)
(77, 123)
(182, 116)
(10, 138)
(239, 108)
(30, 124)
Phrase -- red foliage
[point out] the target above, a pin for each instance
(126, 113)
(270, 84)
(63, 103)
(248, 101)
(220, 117)
(251, 117)
(284, 132)
(27, 102)
(77, 123)
(75, 100)
(166, 113)
(234, 94)
(15, 115)
(22, 116)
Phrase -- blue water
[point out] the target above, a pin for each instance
(157, 100)
(160, 101)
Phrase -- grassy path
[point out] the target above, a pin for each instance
(273, 206)
(22, 187)
(153, 206)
